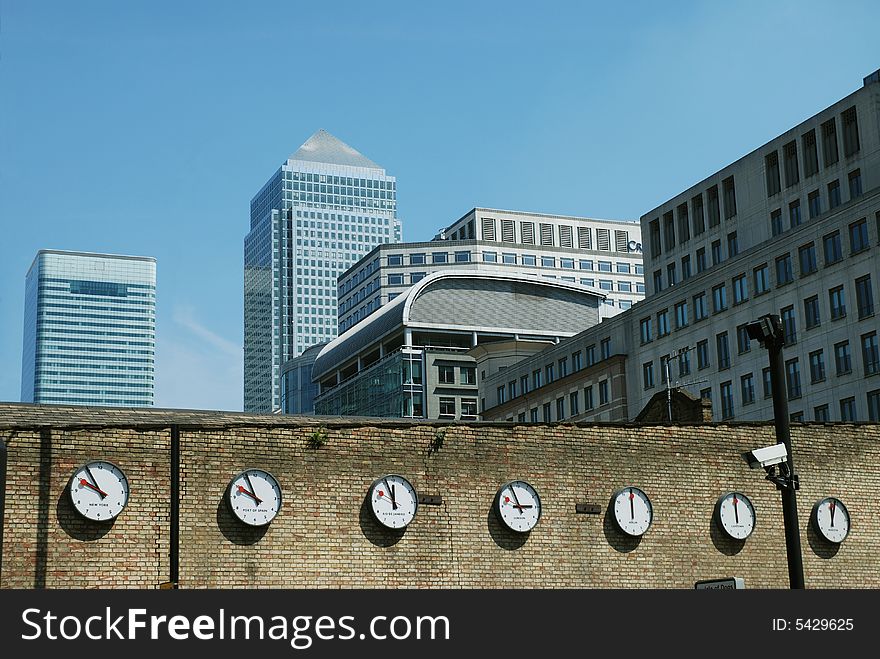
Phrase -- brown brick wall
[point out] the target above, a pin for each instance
(323, 538)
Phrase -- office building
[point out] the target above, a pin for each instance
(89, 330)
(321, 211)
(600, 254)
(792, 229)
(413, 357)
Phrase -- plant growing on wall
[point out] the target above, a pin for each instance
(318, 438)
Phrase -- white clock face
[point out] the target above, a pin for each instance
(99, 490)
(633, 511)
(393, 501)
(831, 519)
(254, 497)
(518, 506)
(736, 515)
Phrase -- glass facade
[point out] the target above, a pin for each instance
(89, 330)
(320, 213)
(391, 388)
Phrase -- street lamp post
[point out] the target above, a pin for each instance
(768, 329)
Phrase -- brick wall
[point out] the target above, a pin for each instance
(324, 538)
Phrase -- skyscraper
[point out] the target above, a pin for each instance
(324, 208)
(89, 329)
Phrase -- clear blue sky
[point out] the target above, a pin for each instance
(145, 127)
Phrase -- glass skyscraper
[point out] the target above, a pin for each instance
(89, 330)
(319, 214)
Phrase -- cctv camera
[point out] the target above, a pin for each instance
(766, 457)
(765, 329)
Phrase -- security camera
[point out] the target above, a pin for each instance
(766, 457)
(765, 328)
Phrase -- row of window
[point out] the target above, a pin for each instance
(563, 235)
(574, 403)
(468, 407)
(690, 219)
(809, 152)
(717, 254)
(446, 374)
(814, 203)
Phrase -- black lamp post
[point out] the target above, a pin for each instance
(768, 329)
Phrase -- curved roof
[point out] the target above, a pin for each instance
(403, 312)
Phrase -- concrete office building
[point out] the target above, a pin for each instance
(297, 389)
(791, 228)
(411, 358)
(601, 254)
(89, 329)
(324, 208)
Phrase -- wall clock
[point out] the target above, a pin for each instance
(735, 515)
(633, 512)
(831, 519)
(393, 501)
(254, 497)
(518, 506)
(99, 490)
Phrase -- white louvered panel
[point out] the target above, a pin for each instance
(621, 241)
(546, 234)
(508, 233)
(603, 238)
(585, 238)
(565, 235)
(488, 228)
(527, 232)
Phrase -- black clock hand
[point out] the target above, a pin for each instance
(735, 509)
(516, 498)
(391, 489)
(833, 508)
(632, 506)
(247, 477)
(97, 487)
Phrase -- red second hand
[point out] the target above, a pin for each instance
(84, 482)
(242, 488)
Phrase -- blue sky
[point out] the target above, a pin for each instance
(146, 127)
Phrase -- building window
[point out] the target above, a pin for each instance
(732, 245)
(654, 229)
(858, 236)
(462, 257)
(814, 203)
(686, 267)
(701, 259)
(490, 257)
(524, 384)
(533, 415)
(848, 409)
(501, 391)
(789, 326)
(855, 184)
(771, 166)
(729, 191)
(726, 400)
(395, 259)
(796, 417)
(563, 367)
(511, 390)
(605, 348)
(719, 298)
(817, 367)
(834, 194)
(446, 374)
(833, 251)
(684, 362)
(585, 264)
(762, 279)
(789, 156)
(664, 369)
(663, 323)
(864, 297)
(658, 281)
(811, 156)
(837, 303)
(706, 394)
(850, 132)
(576, 363)
(684, 230)
(807, 259)
(417, 259)
(416, 277)
(590, 355)
(546, 410)
(447, 407)
(717, 257)
(681, 314)
(714, 211)
(588, 398)
(842, 360)
(700, 310)
(560, 408)
(697, 214)
(536, 379)
(702, 354)
(743, 343)
(820, 413)
(793, 378)
(469, 408)
(548, 371)
(776, 226)
(722, 351)
(468, 374)
(870, 353)
(874, 405)
(668, 232)
(648, 374)
(740, 289)
(829, 143)
(811, 311)
(395, 280)
(784, 273)
(747, 389)
(603, 392)
(794, 214)
(671, 279)
(527, 259)
(443, 257)
(574, 403)
(645, 330)
(767, 383)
